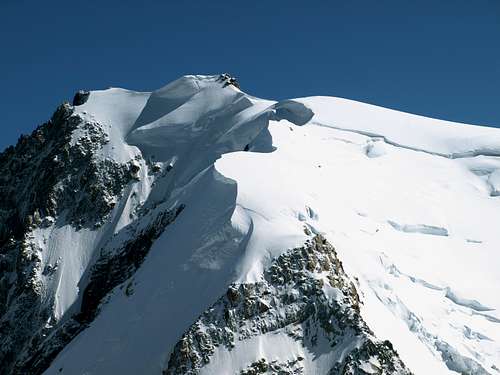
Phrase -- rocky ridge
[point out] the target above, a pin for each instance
(306, 294)
(49, 178)
(124, 202)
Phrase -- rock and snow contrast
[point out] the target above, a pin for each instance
(199, 230)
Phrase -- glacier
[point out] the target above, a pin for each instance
(410, 204)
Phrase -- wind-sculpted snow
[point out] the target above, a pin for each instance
(154, 205)
(293, 111)
(419, 228)
(406, 130)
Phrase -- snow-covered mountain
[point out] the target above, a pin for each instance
(200, 230)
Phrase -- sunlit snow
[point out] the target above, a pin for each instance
(411, 204)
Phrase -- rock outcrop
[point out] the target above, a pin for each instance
(81, 97)
(306, 295)
(54, 177)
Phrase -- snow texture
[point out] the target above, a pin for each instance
(410, 203)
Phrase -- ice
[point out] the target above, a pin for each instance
(406, 200)
(419, 228)
(494, 181)
(375, 149)
(470, 303)
(414, 132)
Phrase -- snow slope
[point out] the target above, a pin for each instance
(86, 242)
(410, 203)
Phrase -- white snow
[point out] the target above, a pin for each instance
(409, 203)
(403, 129)
(494, 181)
(278, 347)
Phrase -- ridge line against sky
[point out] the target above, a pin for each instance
(436, 59)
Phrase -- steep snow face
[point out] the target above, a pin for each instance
(410, 204)
(116, 110)
(192, 121)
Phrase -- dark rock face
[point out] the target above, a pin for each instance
(46, 173)
(381, 352)
(28, 174)
(20, 293)
(228, 80)
(44, 347)
(81, 97)
(109, 272)
(292, 300)
(262, 366)
(53, 171)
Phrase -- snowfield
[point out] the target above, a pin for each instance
(411, 205)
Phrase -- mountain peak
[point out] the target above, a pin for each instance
(197, 229)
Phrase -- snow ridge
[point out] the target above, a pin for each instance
(200, 220)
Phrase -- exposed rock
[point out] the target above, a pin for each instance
(110, 271)
(262, 366)
(21, 291)
(305, 294)
(54, 170)
(371, 358)
(228, 80)
(81, 97)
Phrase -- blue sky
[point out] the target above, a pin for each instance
(435, 58)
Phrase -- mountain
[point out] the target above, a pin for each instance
(199, 230)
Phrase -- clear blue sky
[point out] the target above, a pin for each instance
(436, 58)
